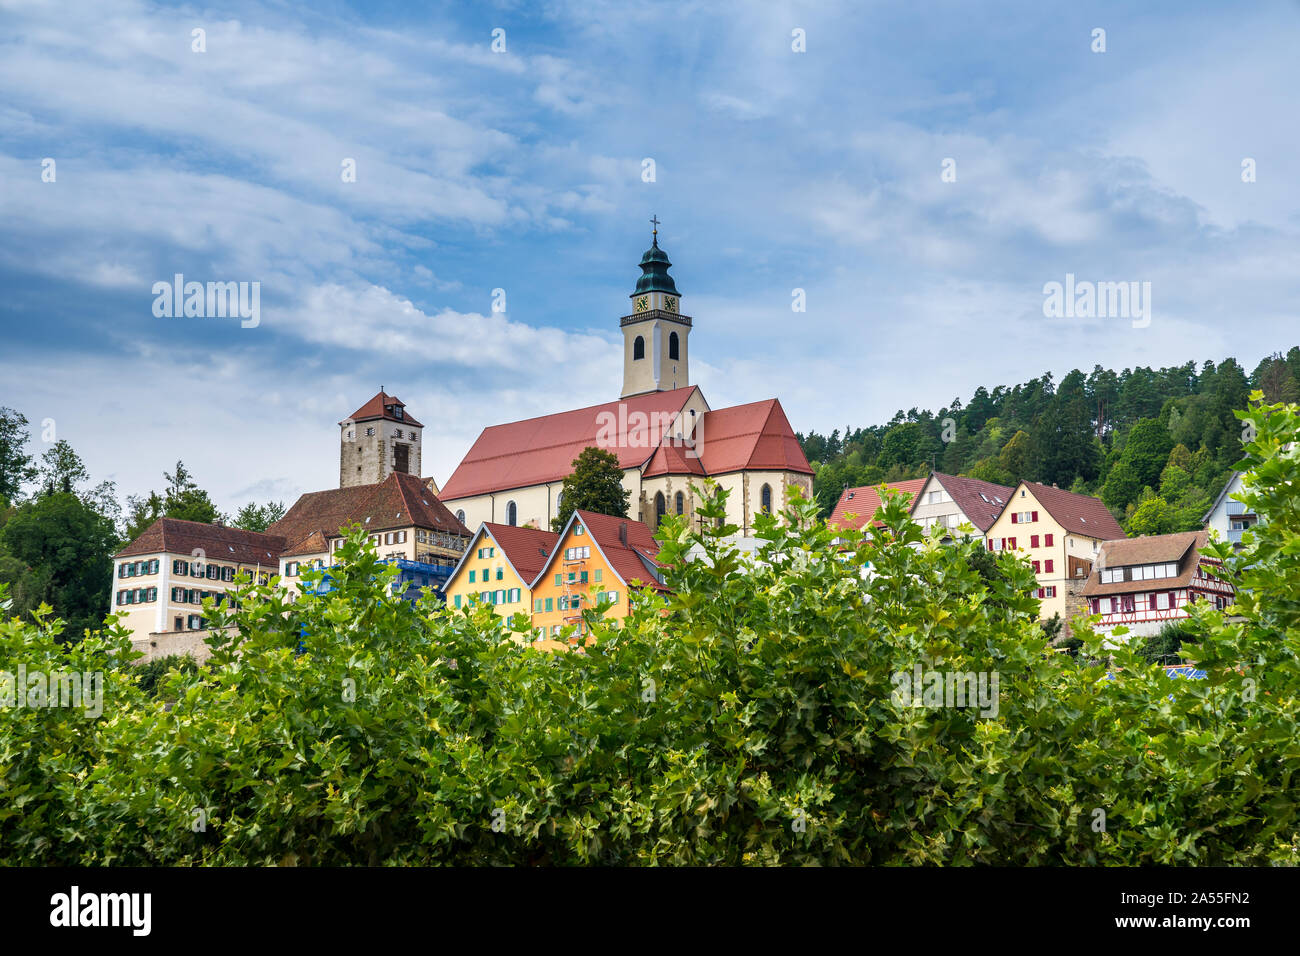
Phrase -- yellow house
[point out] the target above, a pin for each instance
(498, 567)
(598, 558)
(1059, 532)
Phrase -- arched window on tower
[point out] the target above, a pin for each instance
(512, 513)
(672, 345)
(681, 503)
(638, 348)
(460, 516)
(661, 506)
(766, 497)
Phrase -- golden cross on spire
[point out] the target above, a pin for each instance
(654, 221)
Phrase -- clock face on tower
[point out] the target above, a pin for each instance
(670, 304)
(642, 303)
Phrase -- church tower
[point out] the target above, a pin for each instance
(378, 439)
(655, 334)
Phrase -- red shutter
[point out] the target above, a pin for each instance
(1013, 544)
(1035, 515)
(989, 542)
(1047, 541)
(1013, 517)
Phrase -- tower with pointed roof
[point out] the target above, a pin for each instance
(655, 333)
(378, 439)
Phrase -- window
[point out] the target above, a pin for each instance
(460, 516)
(1047, 541)
(499, 597)
(934, 497)
(596, 575)
(672, 345)
(291, 569)
(213, 572)
(512, 513)
(369, 431)
(1033, 540)
(577, 529)
(228, 574)
(681, 503)
(471, 576)
(765, 499)
(1047, 566)
(1049, 591)
(549, 603)
(501, 574)
(661, 506)
(1037, 569)
(514, 595)
(178, 624)
(638, 348)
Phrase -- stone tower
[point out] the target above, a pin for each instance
(378, 439)
(655, 334)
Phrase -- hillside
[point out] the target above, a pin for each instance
(1155, 444)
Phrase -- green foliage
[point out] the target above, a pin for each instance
(1075, 435)
(1163, 648)
(596, 484)
(255, 517)
(16, 468)
(152, 676)
(748, 717)
(56, 550)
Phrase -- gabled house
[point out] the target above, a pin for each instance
(1229, 516)
(946, 502)
(1059, 532)
(857, 505)
(403, 519)
(1144, 583)
(498, 568)
(598, 558)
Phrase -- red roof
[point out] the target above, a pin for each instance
(379, 407)
(980, 501)
(631, 561)
(399, 501)
(527, 549)
(217, 542)
(751, 437)
(1078, 514)
(538, 450)
(857, 505)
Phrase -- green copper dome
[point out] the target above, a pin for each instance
(654, 272)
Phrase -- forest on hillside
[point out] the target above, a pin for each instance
(1156, 445)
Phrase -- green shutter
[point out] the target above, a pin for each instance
(548, 604)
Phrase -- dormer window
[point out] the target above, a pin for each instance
(395, 411)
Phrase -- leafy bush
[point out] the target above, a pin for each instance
(746, 718)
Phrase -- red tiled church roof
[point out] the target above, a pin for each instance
(757, 436)
(538, 450)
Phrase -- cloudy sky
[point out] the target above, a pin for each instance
(522, 170)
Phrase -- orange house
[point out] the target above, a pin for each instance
(598, 559)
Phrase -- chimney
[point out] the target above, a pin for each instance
(622, 533)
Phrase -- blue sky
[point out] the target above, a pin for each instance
(522, 170)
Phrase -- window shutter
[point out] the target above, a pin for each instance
(1014, 516)
(1035, 515)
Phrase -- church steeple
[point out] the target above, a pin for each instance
(654, 335)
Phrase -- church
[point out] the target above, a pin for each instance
(662, 429)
